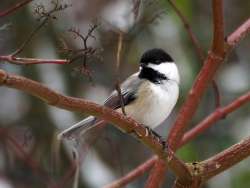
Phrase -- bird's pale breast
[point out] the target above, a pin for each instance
(154, 103)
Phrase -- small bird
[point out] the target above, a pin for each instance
(149, 95)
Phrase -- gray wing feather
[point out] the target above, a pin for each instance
(128, 89)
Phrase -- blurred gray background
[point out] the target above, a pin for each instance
(110, 154)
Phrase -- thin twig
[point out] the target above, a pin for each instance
(30, 36)
(118, 63)
(131, 176)
(194, 40)
(45, 16)
(21, 154)
(239, 34)
(31, 61)
(14, 8)
(215, 116)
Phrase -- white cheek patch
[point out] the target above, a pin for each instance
(169, 69)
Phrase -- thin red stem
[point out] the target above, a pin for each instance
(134, 174)
(117, 119)
(31, 61)
(214, 117)
(239, 34)
(14, 8)
(224, 160)
(232, 41)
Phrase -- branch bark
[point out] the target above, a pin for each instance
(224, 160)
(14, 8)
(122, 122)
(205, 76)
(31, 61)
(131, 176)
(214, 117)
(232, 40)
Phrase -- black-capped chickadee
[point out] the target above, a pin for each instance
(148, 95)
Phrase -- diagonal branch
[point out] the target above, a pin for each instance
(232, 41)
(14, 8)
(214, 117)
(122, 122)
(224, 160)
(134, 174)
(239, 34)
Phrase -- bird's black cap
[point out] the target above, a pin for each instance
(155, 56)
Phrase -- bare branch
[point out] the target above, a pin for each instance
(194, 40)
(199, 51)
(44, 16)
(224, 160)
(122, 122)
(239, 34)
(31, 61)
(205, 76)
(157, 174)
(118, 62)
(233, 40)
(131, 176)
(215, 116)
(197, 130)
(14, 8)
(218, 21)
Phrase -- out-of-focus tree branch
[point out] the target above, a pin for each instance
(31, 61)
(205, 76)
(14, 8)
(134, 174)
(240, 33)
(194, 40)
(232, 40)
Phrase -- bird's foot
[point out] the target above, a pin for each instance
(158, 137)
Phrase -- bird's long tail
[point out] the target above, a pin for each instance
(78, 128)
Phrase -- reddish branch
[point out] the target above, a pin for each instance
(22, 155)
(122, 122)
(31, 61)
(218, 21)
(204, 78)
(158, 172)
(211, 64)
(239, 34)
(199, 51)
(14, 8)
(232, 41)
(131, 176)
(224, 160)
(197, 130)
(214, 117)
